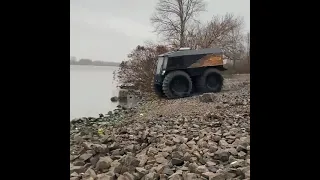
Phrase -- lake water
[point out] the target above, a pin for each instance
(91, 88)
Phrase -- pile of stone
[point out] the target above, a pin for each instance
(154, 144)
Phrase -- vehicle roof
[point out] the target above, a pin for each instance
(193, 52)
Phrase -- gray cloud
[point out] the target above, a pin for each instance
(109, 29)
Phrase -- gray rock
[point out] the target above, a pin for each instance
(74, 174)
(78, 163)
(90, 173)
(213, 148)
(94, 160)
(222, 155)
(166, 170)
(190, 176)
(161, 160)
(218, 176)
(241, 148)
(233, 151)
(238, 163)
(129, 176)
(77, 169)
(223, 143)
(208, 175)
(242, 155)
(177, 162)
(175, 177)
(151, 176)
(122, 177)
(105, 176)
(207, 97)
(192, 167)
(212, 169)
(201, 169)
(177, 154)
(142, 170)
(129, 161)
(85, 156)
(104, 163)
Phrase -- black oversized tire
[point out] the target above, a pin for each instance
(175, 79)
(205, 84)
(158, 90)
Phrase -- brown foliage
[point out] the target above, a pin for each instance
(139, 69)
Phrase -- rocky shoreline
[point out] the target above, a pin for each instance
(200, 137)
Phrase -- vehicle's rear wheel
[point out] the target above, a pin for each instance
(177, 84)
(210, 81)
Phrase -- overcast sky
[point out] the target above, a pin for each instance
(108, 30)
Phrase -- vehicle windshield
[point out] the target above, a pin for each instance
(159, 64)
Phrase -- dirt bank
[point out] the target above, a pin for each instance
(200, 137)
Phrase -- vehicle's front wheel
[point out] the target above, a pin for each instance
(210, 81)
(158, 90)
(177, 84)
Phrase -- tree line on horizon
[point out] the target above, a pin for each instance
(92, 63)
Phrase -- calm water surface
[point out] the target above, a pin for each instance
(91, 88)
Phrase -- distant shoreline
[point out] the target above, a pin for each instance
(92, 65)
(89, 62)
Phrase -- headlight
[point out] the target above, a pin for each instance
(163, 72)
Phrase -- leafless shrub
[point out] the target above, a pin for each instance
(138, 71)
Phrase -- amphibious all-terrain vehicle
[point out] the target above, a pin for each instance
(182, 72)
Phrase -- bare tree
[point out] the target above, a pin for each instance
(172, 17)
(222, 31)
